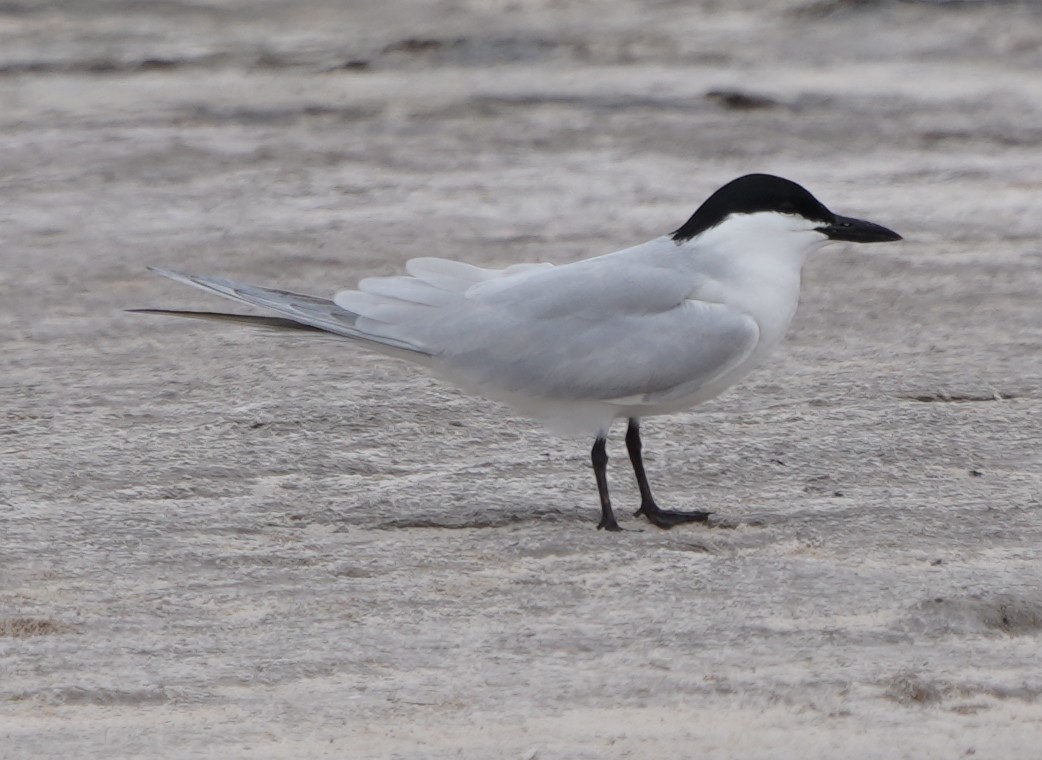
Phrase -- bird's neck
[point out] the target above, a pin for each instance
(757, 275)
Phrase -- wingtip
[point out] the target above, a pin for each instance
(168, 273)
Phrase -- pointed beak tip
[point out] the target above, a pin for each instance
(887, 236)
(859, 231)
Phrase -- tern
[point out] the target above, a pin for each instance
(652, 329)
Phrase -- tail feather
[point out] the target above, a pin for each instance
(308, 313)
(275, 324)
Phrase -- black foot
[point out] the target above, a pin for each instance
(668, 518)
(609, 525)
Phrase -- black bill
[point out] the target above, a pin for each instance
(858, 231)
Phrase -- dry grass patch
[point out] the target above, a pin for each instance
(19, 628)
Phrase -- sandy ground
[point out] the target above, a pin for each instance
(218, 544)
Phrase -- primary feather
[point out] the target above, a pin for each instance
(319, 313)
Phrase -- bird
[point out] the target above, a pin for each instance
(652, 329)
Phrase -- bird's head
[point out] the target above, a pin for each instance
(765, 206)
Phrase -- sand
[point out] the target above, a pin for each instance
(215, 543)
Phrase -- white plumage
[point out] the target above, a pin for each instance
(647, 330)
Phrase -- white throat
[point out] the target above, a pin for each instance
(765, 238)
(754, 262)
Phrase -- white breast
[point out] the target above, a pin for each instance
(751, 263)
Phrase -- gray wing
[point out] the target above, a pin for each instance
(639, 356)
(270, 324)
(310, 311)
(613, 327)
(610, 327)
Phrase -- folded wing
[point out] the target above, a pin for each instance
(621, 326)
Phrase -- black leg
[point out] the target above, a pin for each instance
(663, 518)
(600, 469)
